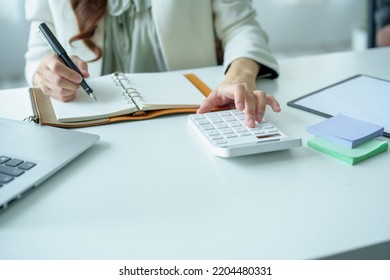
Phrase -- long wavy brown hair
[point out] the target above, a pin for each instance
(88, 14)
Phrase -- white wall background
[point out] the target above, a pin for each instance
(295, 28)
(13, 41)
(301, 27)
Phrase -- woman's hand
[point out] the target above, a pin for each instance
(239, 89)
(58, 80)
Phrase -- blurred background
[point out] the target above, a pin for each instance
(295, 28)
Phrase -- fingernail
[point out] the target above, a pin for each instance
(85, 72)
(240, 106)
(251, 123)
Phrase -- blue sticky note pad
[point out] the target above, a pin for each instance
(345, 130)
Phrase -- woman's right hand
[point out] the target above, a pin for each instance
(58, 80)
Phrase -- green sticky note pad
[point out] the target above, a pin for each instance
(349, 155)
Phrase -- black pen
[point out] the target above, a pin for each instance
(52, 41)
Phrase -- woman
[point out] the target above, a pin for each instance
(153, 35)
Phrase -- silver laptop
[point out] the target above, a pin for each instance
(30, 153)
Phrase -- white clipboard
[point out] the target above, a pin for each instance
(361, 96)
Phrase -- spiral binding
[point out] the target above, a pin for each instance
(129, 93)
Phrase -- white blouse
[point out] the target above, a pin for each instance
(131, 43)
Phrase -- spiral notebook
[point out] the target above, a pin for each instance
(123, 97)
(121, 94)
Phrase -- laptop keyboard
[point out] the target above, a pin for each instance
(11, 168)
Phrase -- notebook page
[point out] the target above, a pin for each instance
(110, 102)
(165, 90)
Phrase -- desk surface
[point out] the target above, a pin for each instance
(150, 190)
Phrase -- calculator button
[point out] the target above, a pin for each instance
(247, 133)
(234, 123)
(220, 142)
(212, 132)
(224, 113)
(240, 117)
(216, 137)
(229, 119)
(198, 117)
(257, 128)
(202, 121)
(214, 118)
(226, 131)
(207, 126)
(221, 125)
(233, 135)
(259, 132)
(267, 126)
(240, 129)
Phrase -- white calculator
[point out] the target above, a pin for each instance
(226, 135)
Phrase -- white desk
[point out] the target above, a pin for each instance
(150, 190)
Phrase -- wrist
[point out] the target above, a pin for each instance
(243, 70)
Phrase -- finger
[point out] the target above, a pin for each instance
(239, 93)
(250, 109)
(63, 71)
(81, 65)
(59, 82)
(57, 86)
(271, 101)
(60, 78)
(215, 99)
(261, 98)
(58, 93)
(208, 103)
